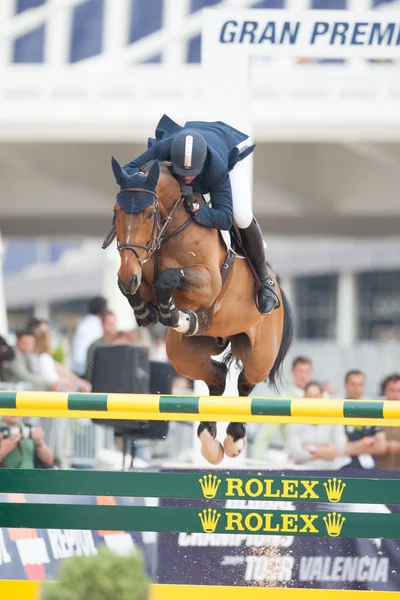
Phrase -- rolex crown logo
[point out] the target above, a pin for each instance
(209, 485)
(334, 522)
(334, 489)
(209, 520)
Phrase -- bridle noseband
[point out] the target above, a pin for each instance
(150, 247)
(158, 233)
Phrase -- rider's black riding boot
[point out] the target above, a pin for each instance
(254, 247)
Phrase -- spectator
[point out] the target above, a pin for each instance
(302, 372)
(316, 446)
(390, 389)
(181, 386)
(158, 350)
(6, 354)
(39, 328)
(110, 335)
(88, 330)
(22, 447)
(52, 371)
(328, 389)
(35, 325)
(277, 432)
(22, 368)
(366, 441)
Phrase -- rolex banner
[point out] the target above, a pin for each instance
(262, 532)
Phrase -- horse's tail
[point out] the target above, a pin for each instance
(275, 375)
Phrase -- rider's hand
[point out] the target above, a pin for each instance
(187, 195)
(189, 200)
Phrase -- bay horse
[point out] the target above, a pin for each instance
(178, 272)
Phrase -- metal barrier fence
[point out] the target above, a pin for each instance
(208, 486)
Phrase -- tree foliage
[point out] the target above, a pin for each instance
(105, 576)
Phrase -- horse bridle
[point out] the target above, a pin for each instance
(158, 233)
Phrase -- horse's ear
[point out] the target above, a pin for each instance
(153, 174)
(121, 176)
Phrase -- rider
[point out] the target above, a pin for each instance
(203, 156)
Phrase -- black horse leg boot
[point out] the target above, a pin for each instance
(254, 247)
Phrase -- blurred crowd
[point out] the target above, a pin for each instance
(329, 446)
(32, 364)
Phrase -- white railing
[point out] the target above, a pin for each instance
(178, 27)
(328, 100)
(77, 442)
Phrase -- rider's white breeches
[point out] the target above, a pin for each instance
(241, 195)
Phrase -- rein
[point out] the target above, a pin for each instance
(158, 233)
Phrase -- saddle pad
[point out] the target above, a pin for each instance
(227, 240)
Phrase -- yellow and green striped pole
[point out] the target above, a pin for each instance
(199, 408)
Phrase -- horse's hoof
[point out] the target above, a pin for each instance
(215, 454)
(234, 442)
(211, 448)
(232, 448)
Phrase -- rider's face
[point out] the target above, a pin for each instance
(187, 180)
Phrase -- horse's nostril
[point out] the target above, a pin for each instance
(121, 285)
(129, 287)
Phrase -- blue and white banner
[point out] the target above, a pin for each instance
(35, 554)
(311, 33)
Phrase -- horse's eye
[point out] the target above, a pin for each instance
(150, 215)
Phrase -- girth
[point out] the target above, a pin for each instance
(205, 315)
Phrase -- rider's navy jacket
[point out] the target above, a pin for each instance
(222, 155)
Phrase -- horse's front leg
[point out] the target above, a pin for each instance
(146, 313)
(182, 320)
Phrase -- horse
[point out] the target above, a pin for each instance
(179, 273)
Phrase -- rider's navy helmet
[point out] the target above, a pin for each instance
(188, 153)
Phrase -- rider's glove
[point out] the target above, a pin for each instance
(189, 200)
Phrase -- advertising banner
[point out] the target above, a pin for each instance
(279, 559)
(35, 554)
(310, 33)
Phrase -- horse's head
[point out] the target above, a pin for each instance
(136, 221)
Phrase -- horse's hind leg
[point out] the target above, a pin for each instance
(211, 448)
(257, 359)
(191, 357)
(234, 442)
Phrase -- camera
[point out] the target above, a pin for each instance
(24, 430)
